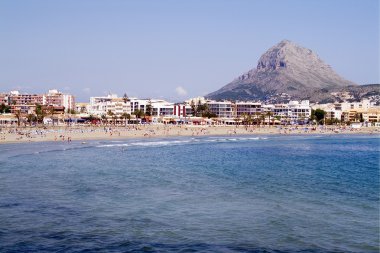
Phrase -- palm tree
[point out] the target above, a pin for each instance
(249, 119)
(4, 108)
(138, 113)
(31, 118)
(278, 118)
(110, 113)
(149, 108)
(40, 113)
(126, 116)
(193, 108)
(51, 113)
(256, 118)
(262, 118)
(269, 114)
(114, 117)
(18, 116)
(125, 98)
(104, 118)
(91, 118)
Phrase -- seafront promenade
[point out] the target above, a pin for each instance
(82, 133)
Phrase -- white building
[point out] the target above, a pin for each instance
(111, 103)
(182, 110)
(222, 109)
(335, 111)
(299, 112)
(159, 107)
(196, 100)
(56, 98)
(247, 108)
(293, 112)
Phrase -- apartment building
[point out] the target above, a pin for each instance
(111, 103)
(247, 108)
(58, 99)
(182, 110)
(222, 109)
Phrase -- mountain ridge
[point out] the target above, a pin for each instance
(290, 69)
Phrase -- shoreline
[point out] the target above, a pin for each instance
(87, 133)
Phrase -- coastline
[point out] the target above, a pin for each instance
(87, 133)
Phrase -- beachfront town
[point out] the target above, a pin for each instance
(57, 108)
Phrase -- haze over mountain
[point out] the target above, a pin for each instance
(289, 71)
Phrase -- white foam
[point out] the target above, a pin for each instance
(145, 144)
(179, 142)
(113, 145)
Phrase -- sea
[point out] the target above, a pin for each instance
(310, 193)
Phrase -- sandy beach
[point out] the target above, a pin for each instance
(83, 133)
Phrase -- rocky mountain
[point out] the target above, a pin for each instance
(288, 71)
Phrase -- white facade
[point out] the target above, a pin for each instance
(300, 111)
(182, 110)
(111, 103)
(159, 107)
(335, 111)
(248, 108)
(223, 109)
(162, 108)
(365, 104)
(56, 98)
(293, 112)
(196, 100)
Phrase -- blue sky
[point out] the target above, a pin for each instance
(150, 48)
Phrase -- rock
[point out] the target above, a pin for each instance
(287, 68)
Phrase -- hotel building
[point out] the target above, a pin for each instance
(103, 105)
(223, 109)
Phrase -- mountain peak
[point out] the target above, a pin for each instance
(285, 42)
(284, 68)
(288, 54)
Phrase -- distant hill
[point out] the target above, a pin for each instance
(288, 71)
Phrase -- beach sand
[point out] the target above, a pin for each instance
(83, 133)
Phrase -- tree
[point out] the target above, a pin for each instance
(256, 119)
(209, 115)
(278, 118)
(202, 109)
(149, 108)
(125, 98)
(332, 121)
(247, 119)
(269, 114)
(4, 108)
(126, 116)
(51, 111)
(91, 118)
(114, 117)
(18, 116)
(40, 113)
(104, 118)
(138, 113)
(193, 108)
(262, 118)
(110, 113)
(199, 106)
(318, 115)
(31, 118)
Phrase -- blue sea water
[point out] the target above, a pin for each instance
(206, 194)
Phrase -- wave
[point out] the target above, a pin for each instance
(159, 143)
